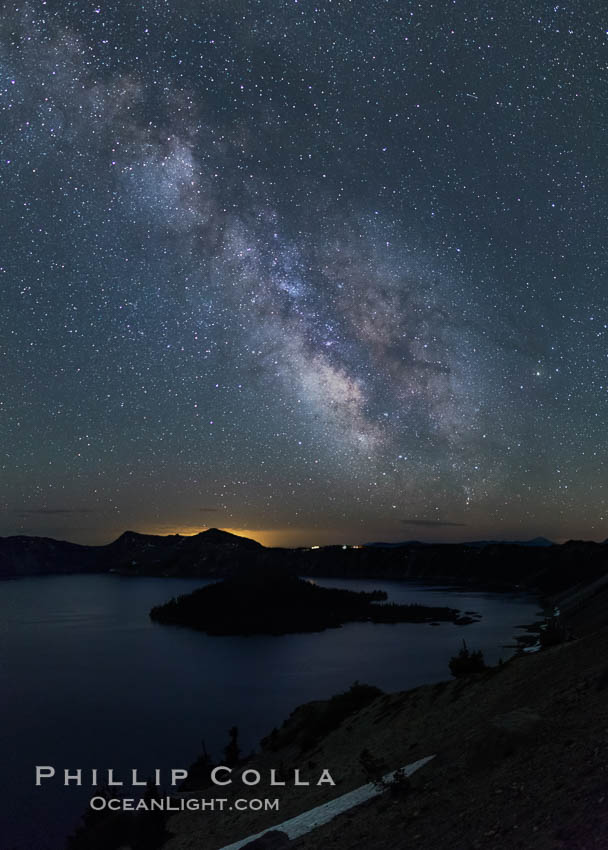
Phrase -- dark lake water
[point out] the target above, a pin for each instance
(87, 680)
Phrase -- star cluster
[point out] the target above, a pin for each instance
(316, 272)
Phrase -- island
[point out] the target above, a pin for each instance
(267, 602)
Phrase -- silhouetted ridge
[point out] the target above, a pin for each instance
(210, 553)
(134, 538)
(535, 565)
(217, 537)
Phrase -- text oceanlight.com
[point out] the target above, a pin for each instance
(171, 804)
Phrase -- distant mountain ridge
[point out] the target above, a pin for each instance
(132, 553)
(535, 565)
(536, 541)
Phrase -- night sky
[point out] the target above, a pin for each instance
(310, 271)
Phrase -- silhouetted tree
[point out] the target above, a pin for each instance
(553, 632)
(373, 768)
(466, 663)
(100, 829)
(232, 752)
(199, 773)
(149, 828)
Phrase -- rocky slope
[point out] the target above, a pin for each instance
(522, 758)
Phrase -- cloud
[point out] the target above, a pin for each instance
(432, 523)
(53, 512)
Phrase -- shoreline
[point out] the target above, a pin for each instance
(506, 733)
(510, 744)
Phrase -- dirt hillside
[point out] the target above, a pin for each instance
(522, 755)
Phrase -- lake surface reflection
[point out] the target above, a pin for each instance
(89, 681)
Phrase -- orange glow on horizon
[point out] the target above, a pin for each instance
(263, 537)
(271, 537)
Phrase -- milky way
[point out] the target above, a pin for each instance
(317, 272)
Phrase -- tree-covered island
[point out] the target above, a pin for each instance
(268, 603)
